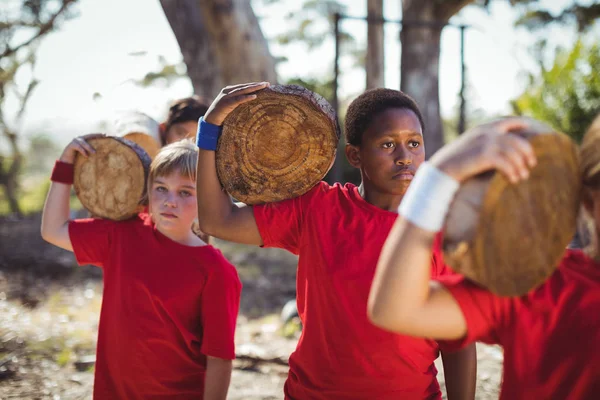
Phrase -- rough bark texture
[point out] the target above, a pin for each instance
(420, 60)
(375, 51)
(221, 43)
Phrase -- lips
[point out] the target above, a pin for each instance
(404, 174)
(168, 215)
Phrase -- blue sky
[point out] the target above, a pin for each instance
(91, 53)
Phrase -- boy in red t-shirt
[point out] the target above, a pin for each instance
(170, 301)
(550, 336)
(338, 231)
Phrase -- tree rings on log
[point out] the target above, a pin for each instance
(509, 238)
(277, 146)
(112, 182)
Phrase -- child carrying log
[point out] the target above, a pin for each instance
(182, 121)
(550, 335)
(338, 231)
(170, 301)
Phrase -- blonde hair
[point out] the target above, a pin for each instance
(181, 157)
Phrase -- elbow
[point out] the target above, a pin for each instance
(46, 234)
(388, 318)
(207, 226)
(379, 316)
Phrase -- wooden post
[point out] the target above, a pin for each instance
(462, 112)
(375, 48)
(337, 170)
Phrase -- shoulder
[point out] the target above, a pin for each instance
(217, 265)
(323, 191)
(575, 257)
(134, 226)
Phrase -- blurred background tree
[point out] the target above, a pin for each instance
(22, 25)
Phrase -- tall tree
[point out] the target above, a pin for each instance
(221, 42)
(375, 49)
(26, 22)
(423, 21)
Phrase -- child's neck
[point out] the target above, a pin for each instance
(385, 201)
(186, 238)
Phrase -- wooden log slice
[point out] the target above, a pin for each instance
(508, 237)
(277, 146)
(112, 182)
(590, 154)
(145, 141)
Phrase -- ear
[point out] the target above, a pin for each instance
(353, 155)
(587, 198)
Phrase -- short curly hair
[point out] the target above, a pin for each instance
(183, 110)
(365, 108)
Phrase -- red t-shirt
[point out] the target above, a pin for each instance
(551, 336)
(341, 355)
(165, 307)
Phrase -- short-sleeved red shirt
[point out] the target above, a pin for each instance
(165, 307)
(551, 336)
(341, 355)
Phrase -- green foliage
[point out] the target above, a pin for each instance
(567, 96)
(41, 155)
(583, 16)
(314, 22)
(31, 198)
(167, 73)
(322, 87)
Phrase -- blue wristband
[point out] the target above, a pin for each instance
(208, 135)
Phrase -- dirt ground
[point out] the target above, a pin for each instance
(49, 320)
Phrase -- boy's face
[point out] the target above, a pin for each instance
(181, 130)
(173, 203)
(390, 152)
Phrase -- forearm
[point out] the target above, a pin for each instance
(214, 204)
(55, 217)
(217, 215)
(460, 372)
(401, 283)
(218, 376)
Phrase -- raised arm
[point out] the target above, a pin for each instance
(55, 217)
(217, 215)
(402, 298)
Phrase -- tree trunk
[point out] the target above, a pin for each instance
(8, 176)
(375, 50)
(221, 43)
(420, 60)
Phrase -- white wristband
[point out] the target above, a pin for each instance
(428, 198)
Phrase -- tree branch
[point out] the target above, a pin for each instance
(44, 29)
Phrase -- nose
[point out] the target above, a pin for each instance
(170, 200)
(403, 156)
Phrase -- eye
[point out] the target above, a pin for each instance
(414, 144)
(185, 193)
(388, 145)
(161, 189)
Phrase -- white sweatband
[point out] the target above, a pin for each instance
(428, 198)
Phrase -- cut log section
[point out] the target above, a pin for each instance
(590, 154)
(145, 141)
(277, 146)
(112, 182)
(508, 237)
